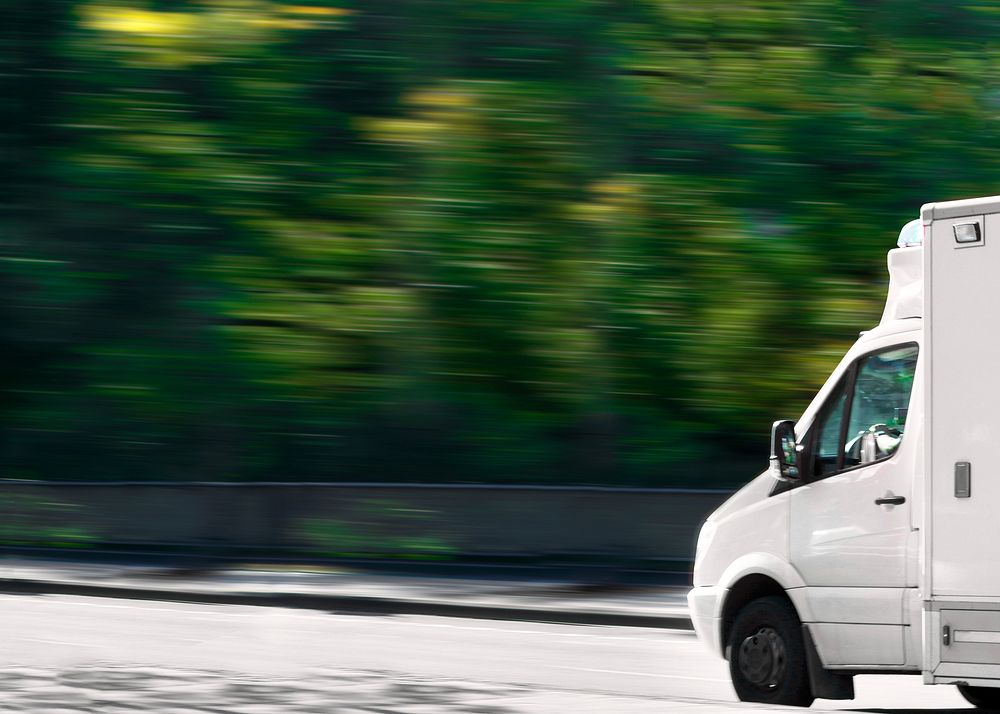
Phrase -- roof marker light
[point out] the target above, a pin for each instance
(967, 233)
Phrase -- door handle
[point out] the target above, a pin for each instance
(890, 501)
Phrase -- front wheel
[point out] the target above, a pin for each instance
(767, 659)
(985, 698)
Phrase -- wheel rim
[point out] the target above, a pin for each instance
(762, 658)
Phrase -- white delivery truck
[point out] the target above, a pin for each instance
(872, 544)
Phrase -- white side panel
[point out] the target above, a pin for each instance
(964, 348)
(858, 626)
(859, 645)
(913, 616)
(862, 606)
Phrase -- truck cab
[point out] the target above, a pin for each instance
(866, 546)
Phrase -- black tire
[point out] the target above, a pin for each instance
(767, 659)
(985, 698)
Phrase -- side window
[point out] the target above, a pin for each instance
(874, 397)
(878, 408)
(831, 422)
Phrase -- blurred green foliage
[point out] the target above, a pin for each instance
(551, 241)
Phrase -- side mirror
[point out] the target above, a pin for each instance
(785, 452)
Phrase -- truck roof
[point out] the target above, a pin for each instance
(955, 209)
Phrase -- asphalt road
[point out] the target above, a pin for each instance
(64, 654)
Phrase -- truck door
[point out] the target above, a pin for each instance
(850, 523)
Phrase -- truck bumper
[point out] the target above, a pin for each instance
(704, 604)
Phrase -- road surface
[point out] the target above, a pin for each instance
(65, 654)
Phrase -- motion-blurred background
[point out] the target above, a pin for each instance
(547, 242)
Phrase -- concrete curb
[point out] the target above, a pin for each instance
(347, 603)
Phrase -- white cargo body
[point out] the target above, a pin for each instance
(872, 544)
(961, 547)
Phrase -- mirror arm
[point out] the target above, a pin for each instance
(802, 462)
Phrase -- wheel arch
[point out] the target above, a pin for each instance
(753, 576)
(748, 588)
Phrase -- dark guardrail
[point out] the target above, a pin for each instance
(358, 520)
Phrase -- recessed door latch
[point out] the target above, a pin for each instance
(946, 635)
(963, 479)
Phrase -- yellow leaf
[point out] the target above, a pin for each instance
(139, 22)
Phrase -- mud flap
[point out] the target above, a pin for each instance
(825, 684)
